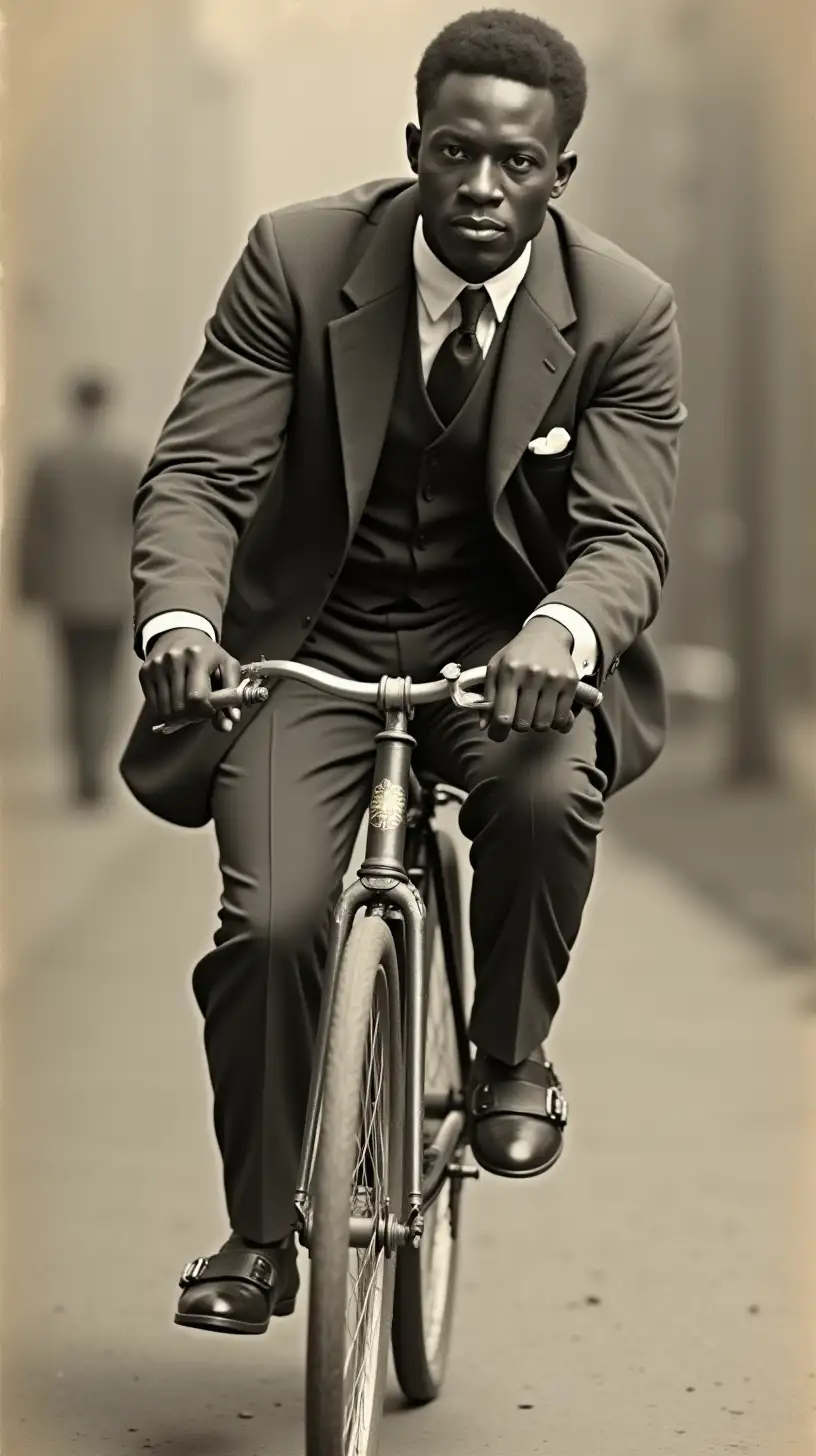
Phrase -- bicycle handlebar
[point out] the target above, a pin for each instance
(453, 684)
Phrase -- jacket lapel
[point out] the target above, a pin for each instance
(535, 360)
(366, 345)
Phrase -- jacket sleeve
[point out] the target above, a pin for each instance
(623, 485)
(220, 444)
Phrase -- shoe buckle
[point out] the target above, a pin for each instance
(483, 1098)
(262, 1271)
(557, 1107)
(193, 1271)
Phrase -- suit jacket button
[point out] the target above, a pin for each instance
(306, 621)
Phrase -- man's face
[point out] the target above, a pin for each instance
(487, 160)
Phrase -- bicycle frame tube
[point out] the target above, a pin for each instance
(382, 881)
(453, 970)
(383, 870)
(388, 809)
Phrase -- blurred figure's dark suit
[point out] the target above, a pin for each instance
(75, 564)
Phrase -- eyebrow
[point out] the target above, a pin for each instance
(516, 144)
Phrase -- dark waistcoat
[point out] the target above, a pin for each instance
(426, 533)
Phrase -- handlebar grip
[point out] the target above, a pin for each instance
(244, 695)
(588, 696)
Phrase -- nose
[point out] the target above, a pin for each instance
(481, 186)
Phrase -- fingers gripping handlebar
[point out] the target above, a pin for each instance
(452, 683)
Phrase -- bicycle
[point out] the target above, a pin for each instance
(382, 1165)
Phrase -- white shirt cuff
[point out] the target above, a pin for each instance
(168, 621)
(584, 641)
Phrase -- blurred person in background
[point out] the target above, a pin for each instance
(433, 420)
(75, 565)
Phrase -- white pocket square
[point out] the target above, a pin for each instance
(552, 444)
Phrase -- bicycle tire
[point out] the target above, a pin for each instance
(424, 1304)
(367, 981)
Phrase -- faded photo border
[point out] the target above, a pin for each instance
(660, 1294)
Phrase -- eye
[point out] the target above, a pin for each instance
(453, 152)
(521, 163)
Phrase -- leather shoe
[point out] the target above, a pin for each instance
(239, 1289)
(517, 1115)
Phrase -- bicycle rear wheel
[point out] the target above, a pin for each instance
(358, 1174)
(426, 1277)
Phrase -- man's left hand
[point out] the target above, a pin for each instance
(531, 682)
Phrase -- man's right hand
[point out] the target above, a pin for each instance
(180, 671)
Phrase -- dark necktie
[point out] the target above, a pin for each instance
(456, 367)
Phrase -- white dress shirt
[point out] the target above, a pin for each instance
(438, 314)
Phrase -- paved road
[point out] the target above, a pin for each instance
(648, 1298)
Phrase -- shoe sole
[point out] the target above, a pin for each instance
(224, 1326)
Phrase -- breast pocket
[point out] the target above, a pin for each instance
(545, 473)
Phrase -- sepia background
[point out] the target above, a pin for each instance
(656, 1294)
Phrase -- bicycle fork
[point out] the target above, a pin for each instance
(380, 895)
(382, 884)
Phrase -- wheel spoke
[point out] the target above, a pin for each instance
(368, 1195)
(357, 1169)
(363, 1348)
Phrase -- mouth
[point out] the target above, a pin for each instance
(479, 229)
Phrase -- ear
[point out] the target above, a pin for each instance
(413, 140)
(567, 163)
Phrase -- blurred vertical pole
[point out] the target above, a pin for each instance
(753, 756)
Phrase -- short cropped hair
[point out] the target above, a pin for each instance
(516, 47)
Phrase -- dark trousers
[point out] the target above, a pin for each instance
(90, 653)
(288, 801)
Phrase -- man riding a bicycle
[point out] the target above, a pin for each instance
(433, 420)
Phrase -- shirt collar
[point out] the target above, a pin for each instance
(438, 286)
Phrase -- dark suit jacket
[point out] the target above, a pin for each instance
(262, 471)
(77, 529)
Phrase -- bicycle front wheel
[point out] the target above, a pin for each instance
(358, 1175)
